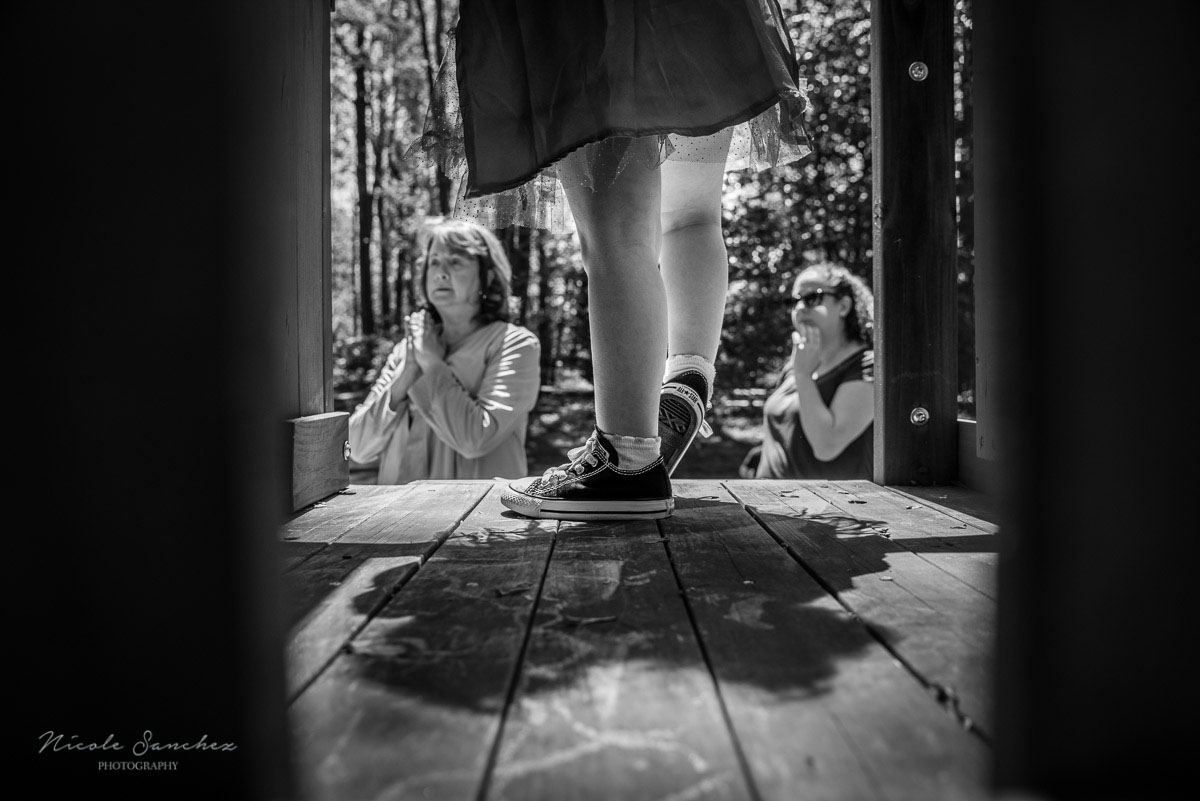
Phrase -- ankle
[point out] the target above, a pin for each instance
(693, 371)
(634, 453)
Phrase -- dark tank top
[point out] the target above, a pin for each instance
(786, 452)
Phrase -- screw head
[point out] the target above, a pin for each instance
(918, 71)
(919, 416)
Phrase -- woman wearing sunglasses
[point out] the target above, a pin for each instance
(818, 421)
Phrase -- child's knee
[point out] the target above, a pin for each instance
(681, 219)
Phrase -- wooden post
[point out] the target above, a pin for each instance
(309, 209)
(316, 431)
(912, 133)
(998, 171)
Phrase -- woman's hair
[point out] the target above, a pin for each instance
(860, 322)
(495, 272)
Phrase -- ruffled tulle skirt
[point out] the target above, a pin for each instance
(534, 80)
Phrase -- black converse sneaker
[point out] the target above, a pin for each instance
(594, 487)
(681, 407)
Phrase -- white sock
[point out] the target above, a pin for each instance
(634, 453)
(681, 363)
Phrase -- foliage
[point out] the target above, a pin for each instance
(357, 361)
(394, 42)
(776, 221)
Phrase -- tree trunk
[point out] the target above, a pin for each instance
(581, 332)
(355, 319)
(382, 148)
(439, 32)
(402, 301)
(385, 259)
(366, 214)
(545, 326)
(434, 53)
(516, 244)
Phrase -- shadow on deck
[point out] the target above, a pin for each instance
(771, 640)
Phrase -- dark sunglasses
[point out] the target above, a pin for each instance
(813, 298)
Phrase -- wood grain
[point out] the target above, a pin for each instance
(326, 520)
(968, 505)
(334, 593)
(915, 268)
(938, 623)
(821, 708)
(318, 457)
(412, 708)
(780, 649)
(615, 700)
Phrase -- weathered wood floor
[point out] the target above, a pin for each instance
(771, 640)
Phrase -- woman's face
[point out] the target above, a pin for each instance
(452, 281)
(817, 304)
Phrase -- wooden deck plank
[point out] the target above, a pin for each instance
(819, 662)
(963, 546)
(420, 511)
(340, 589)
(337, 591)
(412, 708)
(327, 520)
(937, 623)
(956, 501)
(820, 707)
(387, 522)
(307, 532)
(297, 553)
(615, 700)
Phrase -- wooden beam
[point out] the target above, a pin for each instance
(998, 172)
(314, 298)
(306, 326)
(912, 133)
(320, 457)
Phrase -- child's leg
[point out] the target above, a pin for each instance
(618, 226)
(696, 273)
(695, 264)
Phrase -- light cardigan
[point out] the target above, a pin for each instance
(463, 418)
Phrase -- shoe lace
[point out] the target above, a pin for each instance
(582, 459)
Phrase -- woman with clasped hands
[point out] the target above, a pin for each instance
(818, 423)
(454, 397)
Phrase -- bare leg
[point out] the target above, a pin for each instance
(620, 237)
(695, 264)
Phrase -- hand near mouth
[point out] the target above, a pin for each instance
(806, 349)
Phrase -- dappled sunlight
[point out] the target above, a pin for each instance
(585, 654)
(595, 618)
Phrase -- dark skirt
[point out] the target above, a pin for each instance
(538, 79)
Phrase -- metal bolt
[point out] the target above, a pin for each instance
(918, 71)
(346, 451)
(919, 416)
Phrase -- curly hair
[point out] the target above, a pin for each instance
(495, 272)
(860, 322)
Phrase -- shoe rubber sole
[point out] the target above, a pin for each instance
(680, 418)
(556, 509)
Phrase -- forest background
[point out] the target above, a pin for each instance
(385, 59)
